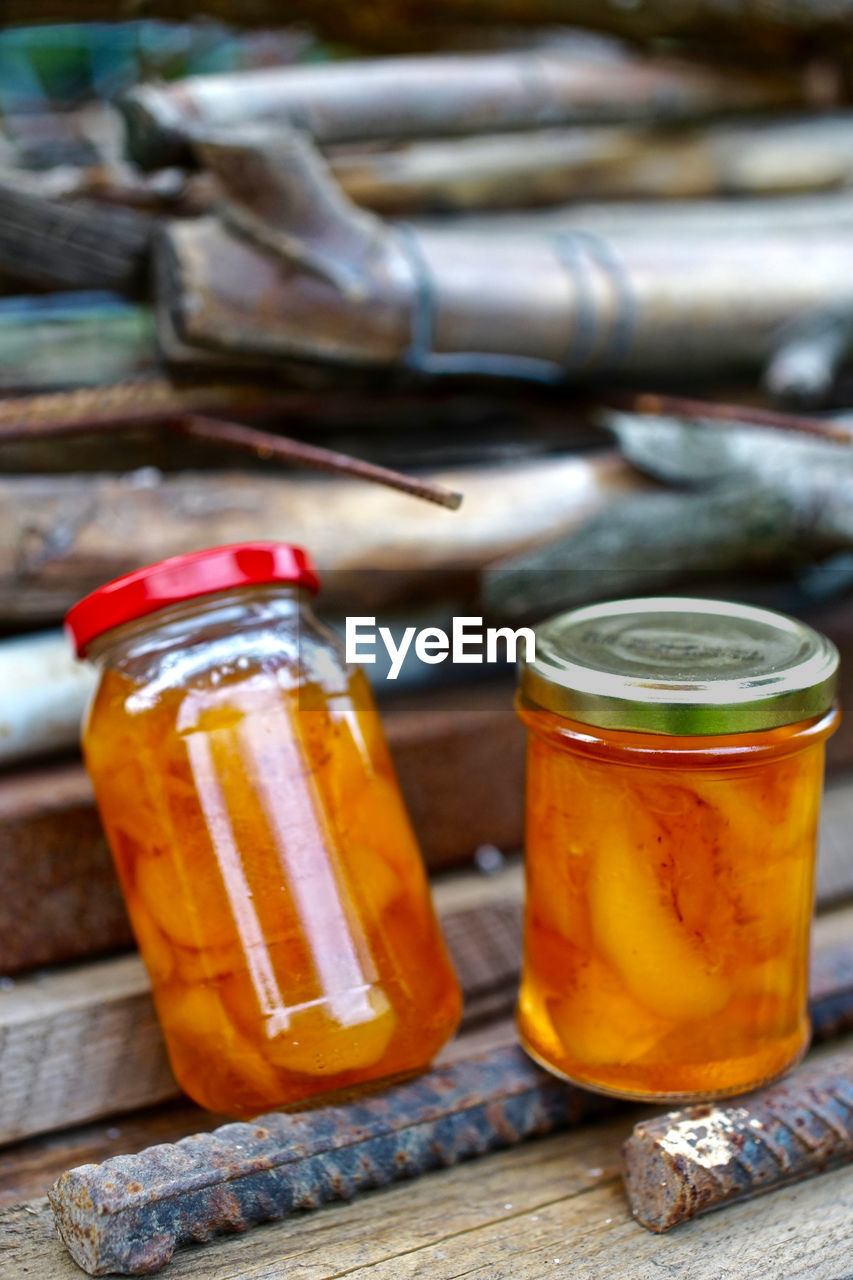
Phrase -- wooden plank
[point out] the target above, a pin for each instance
(78, 1043)
(835, 858)
(83, 1042)
(78, 244)
(60, 897)
(28, 1167)
(552, 1208)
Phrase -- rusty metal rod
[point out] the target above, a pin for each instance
(265, 444)
(130, 1213)
(121, 404)
(738, 415)
(689, 1162)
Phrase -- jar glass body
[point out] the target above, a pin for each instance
(270, 871)
(669, 903)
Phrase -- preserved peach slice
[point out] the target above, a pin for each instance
(316, 1043)
(156, 949)
(599, 1022)
(188, 906)
(206, 1049)
(636, 925)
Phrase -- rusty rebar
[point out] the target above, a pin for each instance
(120, 405)
(130, 1213)
(266, 444)
(689, 1162)
(733, 415)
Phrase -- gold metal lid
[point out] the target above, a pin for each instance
(680, 666)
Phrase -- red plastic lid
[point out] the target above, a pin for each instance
(180, 578)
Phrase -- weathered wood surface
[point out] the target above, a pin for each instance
(342, 286)
(553, 1208)
(644, 218)
(62, 536)
(83, 1042)
(78, 1043)
(741, 499)
(78, 245)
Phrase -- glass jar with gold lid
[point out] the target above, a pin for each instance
(674, 775)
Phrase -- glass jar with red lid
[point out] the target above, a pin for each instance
(270, 871)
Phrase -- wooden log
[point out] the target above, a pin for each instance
(372, 545)
(627, 220)
(356, 101)
(506, 171)
(74, 245)
(747, 498)
(342, 287)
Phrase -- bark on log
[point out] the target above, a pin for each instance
(405, 98)
(764, 498)
(76, 245)
(342, 287)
